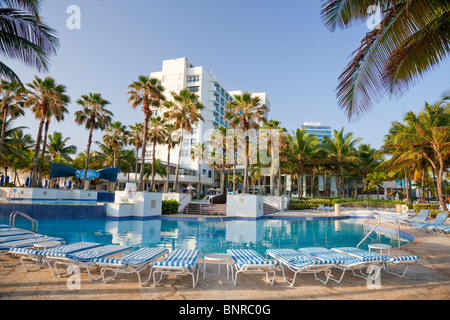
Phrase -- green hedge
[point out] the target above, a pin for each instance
(299, 206)
(170, 207)
(434, 213)
(421, 206)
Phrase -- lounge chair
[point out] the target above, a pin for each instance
(388, 261)
(84, 259)
(420, 217)
(135, 262)
(250, 262)
(442, 230)
(344, 261)
(179, 262)
(301, 263)
(440, 220)
(43, 257)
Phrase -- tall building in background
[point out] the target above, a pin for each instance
(179, 74)
(316, 128)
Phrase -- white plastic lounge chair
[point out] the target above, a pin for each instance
(389, 262)
(420, 217)
(135, 262)
(301, 263)
(179, 262)
(441, 218)
(84, 259)
(442, 230)
(42, 257)
(344, 261)
(250, 262)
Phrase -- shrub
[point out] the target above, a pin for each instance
(170, 207)
(421, 206)
(298, 206)
(434, 213)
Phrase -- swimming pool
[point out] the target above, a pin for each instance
(211, 237)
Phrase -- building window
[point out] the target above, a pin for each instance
(194, 89)
(189, 142)
(186, 153)
(193, 79)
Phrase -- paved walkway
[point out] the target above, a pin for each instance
(429, 279)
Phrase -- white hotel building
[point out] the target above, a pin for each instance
(179, 74)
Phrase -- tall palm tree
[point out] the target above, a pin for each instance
(157, 136)
(411, 39)
(302, 145)
(59, 149)
(135, 139)
(46, 99)
(171, 141)
(375, 178)
(246, 112)
(12, 95)
(149, 93)
(24, 36)
(94, 116)
(116, 138)
(276, 159)
(183, 112)
(341, 150)
(197, 152)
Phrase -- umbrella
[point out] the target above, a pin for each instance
(27, 183)
(7, 180)
(191, 188)
(2, 180)
(46, 184)
(70, 184)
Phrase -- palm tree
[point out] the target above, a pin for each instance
(59, 149)
(148, 93)
(157, 136)
(276, 162)
(197, 152)
(302, 145)
(183, 111)
(24, 36)
(93, 115)
(412, 38)
(12, 96)
(135, 139)
(46, 99)
(219, 141)
(246, 112)
(171, 141)
(341, 150)
(115, 138)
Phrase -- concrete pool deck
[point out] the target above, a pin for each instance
(427, 280)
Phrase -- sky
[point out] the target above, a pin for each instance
(278, 47)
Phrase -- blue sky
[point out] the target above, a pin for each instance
(280, 47)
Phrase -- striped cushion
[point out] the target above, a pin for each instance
(98, 252)
(180, 258)
(397, 260)
(244, 257)
(367, 256)
(327, 254)
(142, 256)
(62, 252)
(26, 243)
(26, 251)
(297, 259)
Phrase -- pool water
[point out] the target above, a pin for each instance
(212, 237)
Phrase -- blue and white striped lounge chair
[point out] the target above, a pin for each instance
(388, 261)
(179, 262)
(135, 262)
(84, 259)
(42, 257)
(344, 261)
(301, 263)
(13, 232)
(441, 218)
(250, 262)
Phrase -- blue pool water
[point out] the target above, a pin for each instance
(212, 237)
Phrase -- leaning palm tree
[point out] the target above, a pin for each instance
(24, 36)
(184, 111)
(93, 116)
(411, 39)
(149, 93)
(157, 136)
(246, 112)
(135, 139)
(46, 99)
(12, 95)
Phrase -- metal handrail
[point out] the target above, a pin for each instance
(373, 229)
(12, 220)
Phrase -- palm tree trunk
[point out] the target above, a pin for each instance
(177, 172)
(36, 154)
(166, 186)
(140, 187)
(153, 165)
(4, 117)
(136, 166)
(199, 177)
(88, 152)
(247, 145)
(44, 147)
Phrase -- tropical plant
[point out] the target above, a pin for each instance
(46, 99)
(197, 152)
(24, 36)
(94, 116)
(59, 149)
(184, 111)
(374, 180)
(156, 136)
(411, 39)
(149, 93)
(135, 139)
(171, 141)
(246, 112)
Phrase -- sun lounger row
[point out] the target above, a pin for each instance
(421, 221)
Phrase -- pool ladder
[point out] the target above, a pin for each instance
(12, 220)
(376, 226)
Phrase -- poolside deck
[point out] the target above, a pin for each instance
(429, 279)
